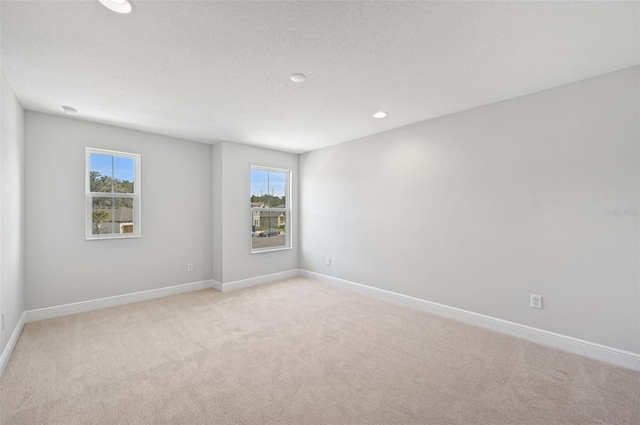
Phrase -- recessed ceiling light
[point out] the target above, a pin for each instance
(120, 6)
(69, 110)
(298, 78)
(380, 114)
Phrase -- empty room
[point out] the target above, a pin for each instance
(319, 212)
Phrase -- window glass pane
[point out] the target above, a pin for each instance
(277, 189)
(268, 189)
(123, 215)
(123, 174)
(277, 235)
(102, 215)
(259, 188)
(270, 232)
(100, 173)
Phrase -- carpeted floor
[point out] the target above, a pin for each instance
(297, 352)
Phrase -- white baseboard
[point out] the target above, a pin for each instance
(253, 281)
(596, 351)
(216, 285)
(84, 306)
(6, 353)
(600, 352)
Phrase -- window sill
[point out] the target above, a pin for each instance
(106, 238)
(260, 251)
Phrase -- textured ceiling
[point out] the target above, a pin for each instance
(210, 70)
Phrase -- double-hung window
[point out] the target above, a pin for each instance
(270, 209)
(112, 194)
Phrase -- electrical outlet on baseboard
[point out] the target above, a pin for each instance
(190, 267)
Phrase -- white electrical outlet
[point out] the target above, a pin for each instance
(327, 261)
(190, 267)
(536, 301)
(3, 313)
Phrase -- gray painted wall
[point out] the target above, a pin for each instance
(232, 240)
(60, 265)
(216, 217)
(11, 211)
(479, 209)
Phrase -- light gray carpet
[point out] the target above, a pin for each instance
(297, 352)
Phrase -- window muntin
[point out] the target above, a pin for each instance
(112, 194)
(270, 210)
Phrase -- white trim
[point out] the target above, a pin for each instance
(287, 210)
(135, 196)
(266, 168)
(84, 306)
(600, 352)
(596, 351)
(268, 249)
(11, 344)
(253, 281)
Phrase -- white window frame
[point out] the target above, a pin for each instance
(135, 196)
(286, 210)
